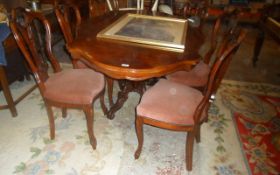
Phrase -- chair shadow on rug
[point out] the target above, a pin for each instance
(174, 106)
(74, 88)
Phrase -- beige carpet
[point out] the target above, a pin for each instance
(25, 147)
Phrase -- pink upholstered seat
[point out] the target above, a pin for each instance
(75, 88)
(65, 13)
(170, 102)
(197, 77)
(175, 106)
(78, 86)
(81, 65)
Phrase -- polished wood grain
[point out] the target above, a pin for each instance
(130, 63)
(108, 56)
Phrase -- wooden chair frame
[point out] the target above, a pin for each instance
(62, 12)
(227, 49)
(25, 39)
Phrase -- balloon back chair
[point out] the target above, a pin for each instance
(64, 13)
(69, 20)
(174, 106)
(199, 75)
(60, 89)
(196, 8)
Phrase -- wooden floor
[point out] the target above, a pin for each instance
(268, 66)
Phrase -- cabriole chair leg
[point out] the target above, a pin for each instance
(139, 132)
(89, 117)
(102, 103)
(197, 134)
(51, 121)
(189, 150)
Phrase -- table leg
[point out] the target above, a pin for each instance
(258, 46)
(110, 84)
(126, 86)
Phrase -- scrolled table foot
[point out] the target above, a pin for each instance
(126, 86)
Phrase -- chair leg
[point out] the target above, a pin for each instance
(89, 116)
(197, 135)
(64, 112)
(7, 93)
(110, 84)
(139, 132)
(51, 121)
(189, 150)
(102, 103)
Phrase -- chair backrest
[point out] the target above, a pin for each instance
(69, 19)
(29, 28)
(228, 47)
(125, 5)
(227, 21)
(213, 41)
(195, 8)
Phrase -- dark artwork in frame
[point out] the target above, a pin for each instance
(149, 29)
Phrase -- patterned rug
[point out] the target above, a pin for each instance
(257, 119)
(25, 147)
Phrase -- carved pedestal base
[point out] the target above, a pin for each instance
(126, 86)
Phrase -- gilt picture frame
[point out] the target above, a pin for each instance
(157, 32)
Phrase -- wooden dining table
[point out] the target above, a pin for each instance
(130, 64)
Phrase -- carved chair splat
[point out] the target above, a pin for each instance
(58, 89)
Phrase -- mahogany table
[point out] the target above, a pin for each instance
(130, 63)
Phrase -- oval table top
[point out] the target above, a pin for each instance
(120, 60)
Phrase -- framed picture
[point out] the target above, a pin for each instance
(148, 31)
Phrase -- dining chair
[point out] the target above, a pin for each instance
(69, 19)
(73, 88)
(195, 8)
(174, 106)
(125, 5)
(198, 76)
(70, 32)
